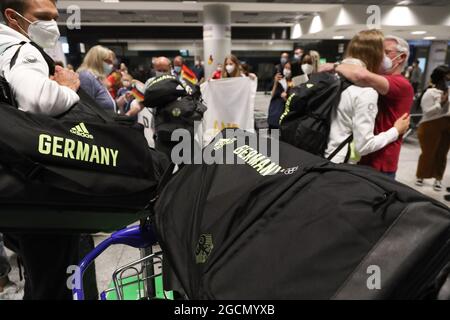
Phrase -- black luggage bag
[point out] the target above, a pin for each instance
(85, 171)
(177, 105)
(301, 228)
(306, 120)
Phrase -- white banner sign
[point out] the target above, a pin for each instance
(145, 117)
(230, 104)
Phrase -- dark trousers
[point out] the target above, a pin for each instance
(89, 279)
(434, 138)
(415, 86)
(45, 258)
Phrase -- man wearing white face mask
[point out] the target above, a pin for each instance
(396, 98)
(37, 85)
(162, 66)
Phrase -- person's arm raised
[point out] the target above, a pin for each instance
(364, 78)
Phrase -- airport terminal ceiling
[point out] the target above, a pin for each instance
(258, 27)
(380, 2)
(338, 18)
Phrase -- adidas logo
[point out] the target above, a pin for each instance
(82, 131)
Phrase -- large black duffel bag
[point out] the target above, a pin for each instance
(85, 171)
(306, 229)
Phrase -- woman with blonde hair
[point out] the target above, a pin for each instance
(97, 65)
(357, 109)
(315, 60)
(231, 67)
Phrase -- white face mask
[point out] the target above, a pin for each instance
(229, 68)
(160, 73)
(388, 63)
(287, 73)
(307, 68)
(44, 33)
(107, 68)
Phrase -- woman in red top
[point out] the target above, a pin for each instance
(218, 73)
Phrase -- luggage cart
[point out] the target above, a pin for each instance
(142, 276)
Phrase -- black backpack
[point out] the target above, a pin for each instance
(300, 228)
(179, 114)
(164, 89)
(306, 120)
(176, 105)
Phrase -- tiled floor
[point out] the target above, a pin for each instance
(120, 255)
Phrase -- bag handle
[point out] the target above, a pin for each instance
(344, 84)
(339, 148)
(16, 54)
(47, 58)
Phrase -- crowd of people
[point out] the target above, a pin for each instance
(374, 110)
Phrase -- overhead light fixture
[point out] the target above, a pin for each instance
(316, 24)
(404, 3)
(418, 32)
(111, 1)
(338, 37)
(400, 16)
(297, 32)
(82, 48)
(429, 38)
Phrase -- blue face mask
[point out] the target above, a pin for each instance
(107, 68)
(177, 69)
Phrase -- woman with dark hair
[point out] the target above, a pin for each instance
(310, 63)
(434, 129)
(280, 92)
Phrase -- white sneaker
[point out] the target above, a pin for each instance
(419, 182)
(437, 186)
(11, 292)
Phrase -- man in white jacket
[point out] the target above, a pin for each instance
(34, 88)
(38, 87)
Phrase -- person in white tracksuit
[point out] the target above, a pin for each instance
(33, 89)
(38, 87)
(357, 110)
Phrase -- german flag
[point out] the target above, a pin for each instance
(137, 91)
(188, 75)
